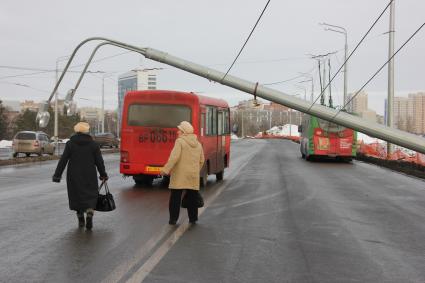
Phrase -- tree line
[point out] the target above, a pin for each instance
(25, 121)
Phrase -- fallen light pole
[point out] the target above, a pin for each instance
(392, 135)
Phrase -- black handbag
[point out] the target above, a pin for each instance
(196, 201)
(105, 202)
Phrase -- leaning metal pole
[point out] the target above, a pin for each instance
(359, 124)
(370, 128)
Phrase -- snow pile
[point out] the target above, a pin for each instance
(234, 137)
(283, 131)
(367, 139)
(5, 144)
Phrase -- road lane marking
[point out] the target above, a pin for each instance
(156, 257)
(121, 270)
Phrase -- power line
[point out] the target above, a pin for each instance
(43, 71)
(246, 41)
(345, 62)
(380, 69)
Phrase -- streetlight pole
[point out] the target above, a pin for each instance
(390, 98)
(103, 101)
(102, 112)
(56, 126)
(343, 31)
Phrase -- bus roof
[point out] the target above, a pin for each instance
(183, 95)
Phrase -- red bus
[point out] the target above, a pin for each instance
(149, 130)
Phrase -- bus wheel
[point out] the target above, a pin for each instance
(219, 176)
(143, 180)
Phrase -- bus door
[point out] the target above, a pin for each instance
(220, 140)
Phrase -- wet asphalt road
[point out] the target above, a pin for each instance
(275, 218)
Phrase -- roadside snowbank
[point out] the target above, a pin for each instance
(5, 144)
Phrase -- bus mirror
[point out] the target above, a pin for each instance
(68, 102)
(70, 110)
(235, 128)
(43, 115)
(300, 128)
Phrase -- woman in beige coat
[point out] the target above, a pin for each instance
(184, 166)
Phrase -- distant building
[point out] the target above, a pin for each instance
(417, 101)
(61, 105)
(144, 79)
(359, 103)
(251, 104)
(369, 115)
(276, 107)
(402, 111)
(29, 105)
(90, 113)
(12, 105)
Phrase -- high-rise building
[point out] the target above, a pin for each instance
(417, 101)
(402, 111)
(143, 79)
(358, 104)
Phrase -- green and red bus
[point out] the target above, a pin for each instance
(320, 138)
(149, 130)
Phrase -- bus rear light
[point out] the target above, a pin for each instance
(125, 157)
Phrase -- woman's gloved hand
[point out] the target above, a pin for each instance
(103, 178)
(56, 179)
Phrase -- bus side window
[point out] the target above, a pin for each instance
(226, 122)
(214, 121)
(209, 122)
(220, 123)
(202, 126)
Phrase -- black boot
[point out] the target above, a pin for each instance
(81, 221)
(89, 220)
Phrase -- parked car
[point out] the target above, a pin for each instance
(30, 142)
(106, 139)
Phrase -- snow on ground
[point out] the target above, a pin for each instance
(367, 139)
(5, 144)
(285, 130)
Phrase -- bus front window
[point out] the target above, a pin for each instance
(158, 115)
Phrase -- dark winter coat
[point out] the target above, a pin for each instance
(83, 157)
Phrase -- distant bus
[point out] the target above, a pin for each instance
(149, 130)
(320, 138)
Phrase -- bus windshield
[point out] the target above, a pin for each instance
(158, 115)
(330, 127)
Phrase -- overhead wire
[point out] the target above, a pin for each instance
(352, 52)
(380, 69)
(246, 41)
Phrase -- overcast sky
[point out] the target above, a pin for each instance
(34, 34)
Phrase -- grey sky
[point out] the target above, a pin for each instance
(35, 33)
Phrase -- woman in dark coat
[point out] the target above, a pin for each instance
(83, 157)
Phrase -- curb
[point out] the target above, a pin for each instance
(408, 168)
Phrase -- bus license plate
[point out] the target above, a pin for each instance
(152, 169)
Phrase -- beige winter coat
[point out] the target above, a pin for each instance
(185, 163)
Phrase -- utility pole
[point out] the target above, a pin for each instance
(343, 31)
(242, 131)
(56, 122)
(102, 112)
(390, 98)
(322, 98)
